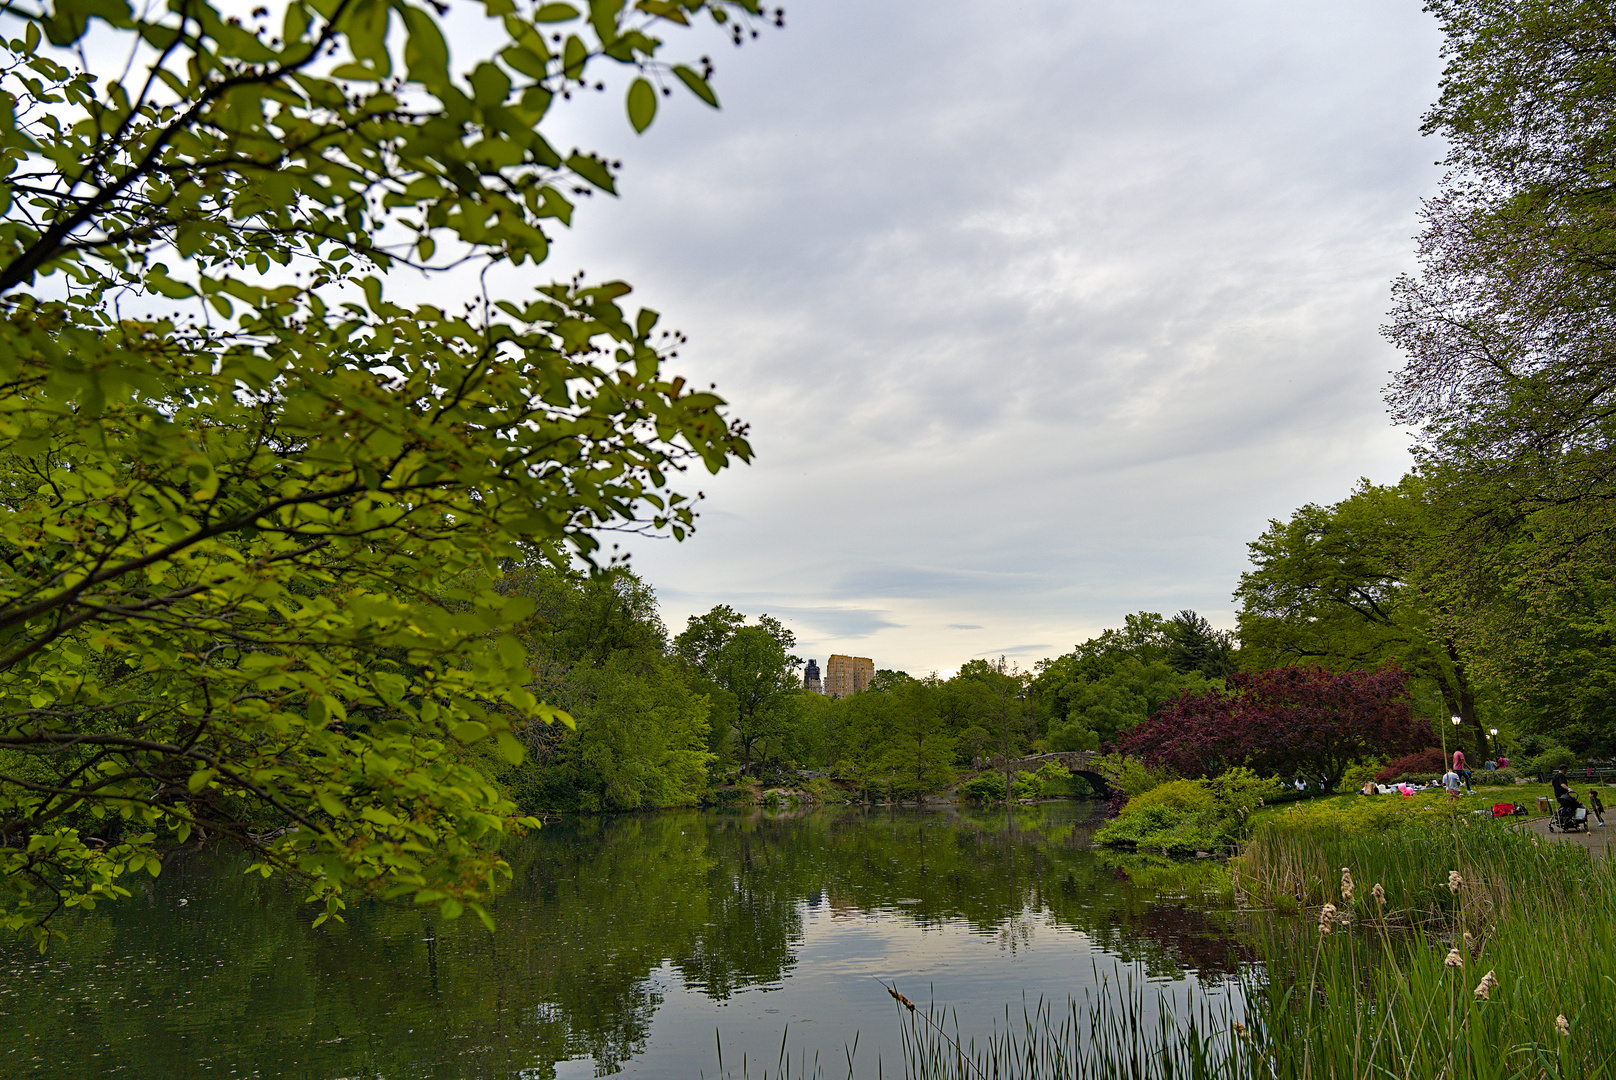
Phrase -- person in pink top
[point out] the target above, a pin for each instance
(1459, 767)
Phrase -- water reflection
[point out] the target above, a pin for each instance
(622, 944)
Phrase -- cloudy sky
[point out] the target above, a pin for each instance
(1039, 311)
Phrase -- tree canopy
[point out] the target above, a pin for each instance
(1508, 335)
(1284, 721)
(256, 510)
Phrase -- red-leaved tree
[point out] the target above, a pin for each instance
(1284, 721)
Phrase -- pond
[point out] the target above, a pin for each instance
(639, 946)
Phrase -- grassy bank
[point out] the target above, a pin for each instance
(1482, 954)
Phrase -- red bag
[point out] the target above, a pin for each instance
(1503, 809)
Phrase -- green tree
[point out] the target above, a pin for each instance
(1113, 681)
(1194, 646)
(640, 742)
(1348, 586)
(996, 696)
(921, 752)
(1092, 712)
(753, 664)
(1508, 329)
(256, 511)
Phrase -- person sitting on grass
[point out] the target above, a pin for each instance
(1450, 780)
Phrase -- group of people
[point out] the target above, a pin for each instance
(1463, 773)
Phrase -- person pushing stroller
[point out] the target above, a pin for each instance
(1572, 814)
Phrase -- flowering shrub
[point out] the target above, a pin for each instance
(1427, 762)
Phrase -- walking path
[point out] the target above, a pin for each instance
(1595, 839)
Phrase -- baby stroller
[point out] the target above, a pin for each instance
(1571, 817)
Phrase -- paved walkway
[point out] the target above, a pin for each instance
(1595, 839)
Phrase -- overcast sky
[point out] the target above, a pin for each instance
(1037, 319)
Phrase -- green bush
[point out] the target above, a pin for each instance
(1360, 774)
(1130, 775)
(1155, 827)
(1239, 791)
(1183, 796)
(824, 791)
(1028, 785)
(1365, 816)
(1549, 760)
(989, 787)
(1495, 777)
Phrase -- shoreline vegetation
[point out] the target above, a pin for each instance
(1414, 941)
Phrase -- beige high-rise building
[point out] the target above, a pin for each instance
(847, 675)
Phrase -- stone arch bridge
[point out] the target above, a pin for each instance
(1077, 761)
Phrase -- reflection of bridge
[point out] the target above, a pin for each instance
(1077, 761)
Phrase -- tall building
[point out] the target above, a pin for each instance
(847, 675)
(810, 679)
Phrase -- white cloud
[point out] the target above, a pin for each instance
(1037, 319)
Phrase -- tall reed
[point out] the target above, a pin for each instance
(1503, 867)
(1480, 956)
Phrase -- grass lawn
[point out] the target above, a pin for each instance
(1482, 798)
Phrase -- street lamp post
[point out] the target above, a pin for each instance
(1494, 733)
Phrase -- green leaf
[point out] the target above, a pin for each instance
(200, 779)
(697, 84)
(469, 731)
(574, 56)
(426, 54)
(511, 652)
(525, 61)
(642, 104)
(593, 170)
(549, 13)
(489, 85)
(510, 748)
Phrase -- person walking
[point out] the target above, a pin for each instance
(1459, 767)
(1563, 794)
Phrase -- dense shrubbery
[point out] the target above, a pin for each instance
(1496, 777)
(1427, 762)
(1161, 828)
(1360, 774)
(989, 787)
(1283, 721)
(1184, 816)
(1549, 760)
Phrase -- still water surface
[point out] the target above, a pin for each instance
(629, 946)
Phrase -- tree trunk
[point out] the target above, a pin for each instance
(1466, 704)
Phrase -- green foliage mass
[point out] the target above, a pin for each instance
(1180, 816)
(1183, 796)
(256, 512)
(1163, 829)
(1112, 682)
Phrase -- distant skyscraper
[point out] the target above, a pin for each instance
(810, 678)
(847, 675)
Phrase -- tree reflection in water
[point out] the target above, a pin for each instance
(604, 916)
